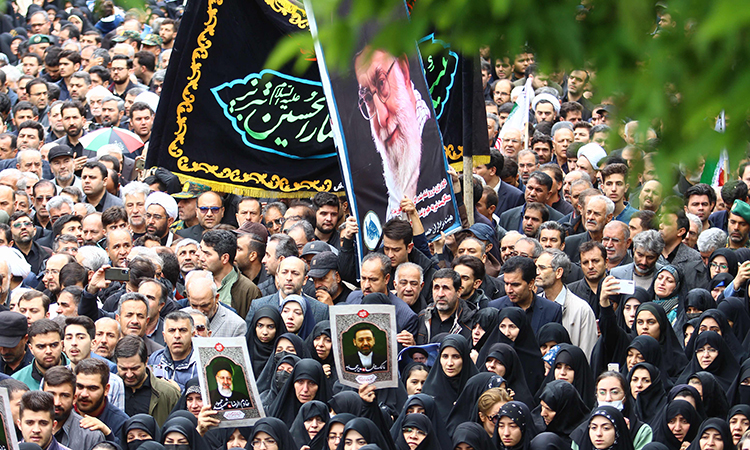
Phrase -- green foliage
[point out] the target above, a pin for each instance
(677, 80)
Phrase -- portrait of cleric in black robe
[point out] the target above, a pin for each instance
(365, 354)
(230, 390)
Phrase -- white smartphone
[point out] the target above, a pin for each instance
(627, 287)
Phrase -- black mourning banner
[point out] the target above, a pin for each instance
(455, 85)
(226, 121)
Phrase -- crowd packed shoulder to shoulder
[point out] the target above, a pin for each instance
(590, 305)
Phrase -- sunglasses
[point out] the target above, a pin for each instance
(206, 209)
(200, 327)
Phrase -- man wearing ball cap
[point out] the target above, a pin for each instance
(161, 212)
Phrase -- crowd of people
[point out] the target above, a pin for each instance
(591, 305)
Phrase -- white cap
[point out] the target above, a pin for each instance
(165, 201)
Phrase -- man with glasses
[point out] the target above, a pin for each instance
(161, 211)
(210, 213)
(23, 231)
(39, 23)
(397, 115)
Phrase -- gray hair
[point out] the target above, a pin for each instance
(622, 225)
(61, 239)
(409, 265)
(609, 204)
(84, 76)
(582, 181)
(649, 241)
(180, 315)
(133, 188)
(385, 262)
(711, 239)
(496, 121)
(194, 274)
(102, 53)
(525, 152)
(559, 259)
(559, 126)
(90, 209)
(106, 320)
(11, 173)
(114, 98)
(92, 257)
(538, 249)
(147, 253)
(696, 220)
(278, 205)
(110, 149)
(130, 296)
(57, 201)
(29, 151)
(195, 312)
(306, 228)
(23, 183)
(183, 242)
(160, 75)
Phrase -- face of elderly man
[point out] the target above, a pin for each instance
(387, 100)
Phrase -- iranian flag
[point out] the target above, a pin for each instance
(716, 171)
(519, 116)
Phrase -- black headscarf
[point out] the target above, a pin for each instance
(736, 312)
(487, 319)
(223, 435)
(430, 410)
(661, 429)
(655, 446)
(275, 428)
(143, 422)
(649, 348)
(742, 410)
(473, 435)
(525, 346)
(286, 405)
(672, 354)
(370, 433)
(346, 402)
(724, 367)
(265, 380)
(714, 423)
(554, 332)
(260, 352)
(184, 426)
(466, 408)
(720, 280)
(729, 255)
(651, 400)
(714, 396)
(191, 387)
(323, 327)
(564, 399)
(268, 396)
(421, 422)
(727, 333)
(583, 380)
(699, 299)
(548, 441)
(446, 389)
(147, 445)
(307, 412)
(682, 390)
(514, 375)
(409, 368)
(642, 296)
(320, 442)
(737, 393)
(519, 413)
(623, 441)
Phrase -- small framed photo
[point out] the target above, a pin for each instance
(8, 439)
(364, 344)
(227, 382)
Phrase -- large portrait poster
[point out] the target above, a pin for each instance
(8, 439)
(364, 344)
(387, 137)
(226, 382)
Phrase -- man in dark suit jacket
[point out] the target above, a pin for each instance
(365, 360)
(537, 190)
(519, 274)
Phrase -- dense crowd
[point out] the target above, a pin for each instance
(590, 305)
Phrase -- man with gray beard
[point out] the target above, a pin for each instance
(397, 115)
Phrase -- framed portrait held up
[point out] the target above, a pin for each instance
(364, 344)
(227, 382)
